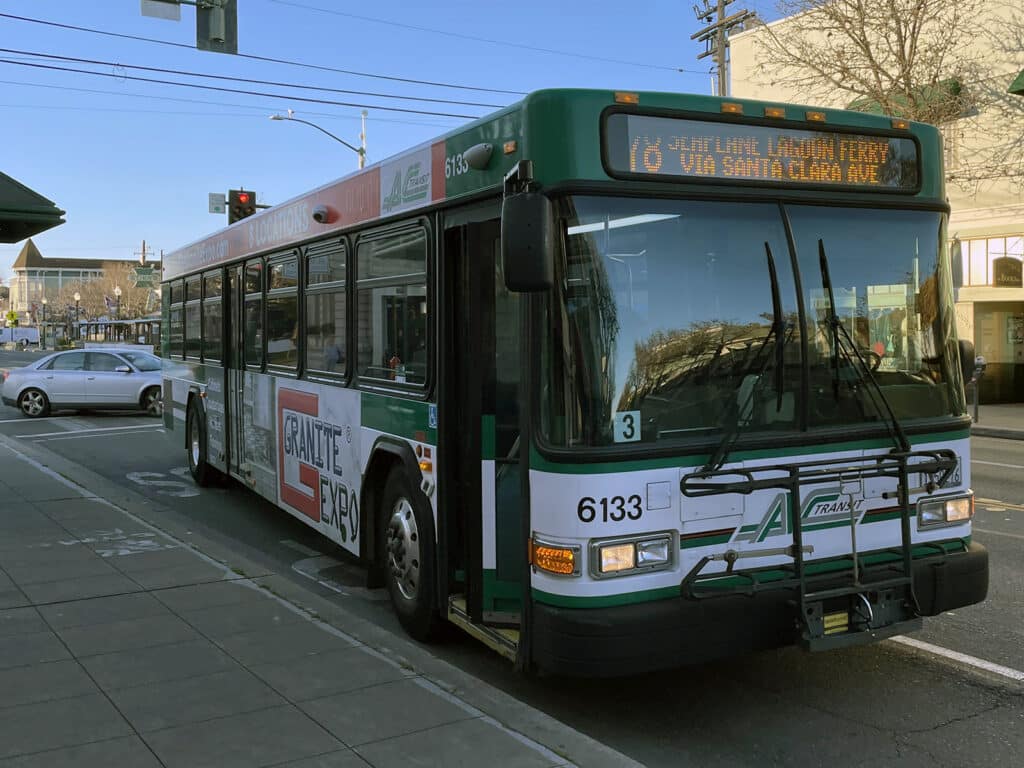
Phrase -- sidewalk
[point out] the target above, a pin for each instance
(1006, 421)
(122, 645)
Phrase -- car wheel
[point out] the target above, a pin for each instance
(195, 431)
(34, 403)
(153, 401)
(409, 557)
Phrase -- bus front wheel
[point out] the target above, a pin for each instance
(409, 557)
(195, 430)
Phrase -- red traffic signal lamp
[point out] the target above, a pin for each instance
(241, 204)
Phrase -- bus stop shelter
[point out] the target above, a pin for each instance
(24, 212)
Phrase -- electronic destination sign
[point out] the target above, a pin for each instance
(647, 145)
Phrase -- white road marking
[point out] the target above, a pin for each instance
(95, 429)
(997, 464)
(998, 533)
(80, 437)
(175, 488)
(962, 658)
(26, 420)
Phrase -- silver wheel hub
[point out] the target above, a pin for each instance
(403, 548)
(32, 403)
(154, 403)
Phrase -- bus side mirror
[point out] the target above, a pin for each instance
(966, 360)
(528, 242)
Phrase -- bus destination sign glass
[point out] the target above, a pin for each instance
(676, 147)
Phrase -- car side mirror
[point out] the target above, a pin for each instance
(122, 369)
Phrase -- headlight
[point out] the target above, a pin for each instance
(933, 513)
(623, 556)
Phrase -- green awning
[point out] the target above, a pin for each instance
(23, 212)
(1017, 86)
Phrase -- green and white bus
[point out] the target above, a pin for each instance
(613, 381)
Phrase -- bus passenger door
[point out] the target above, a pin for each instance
(235, 368)
(479, 421)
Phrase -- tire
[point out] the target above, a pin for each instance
(409, 557)
(34, 403)
(152, 401)
(195, 443)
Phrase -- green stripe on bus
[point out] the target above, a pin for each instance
(540, 463)
(487, 437)
(403, 418)
(704, 541)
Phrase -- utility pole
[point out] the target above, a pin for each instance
(715, 35)
(362, 142)
(142, 254)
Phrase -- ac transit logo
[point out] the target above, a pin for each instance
(310, 463)
(414, 188)
(824, 509)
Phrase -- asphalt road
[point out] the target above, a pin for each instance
(881, 705)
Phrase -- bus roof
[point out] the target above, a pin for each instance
(438, 171)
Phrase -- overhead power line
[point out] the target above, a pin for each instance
(229, 78)
(269, 59)
(261, 109)
(490, 41)
(219, 89)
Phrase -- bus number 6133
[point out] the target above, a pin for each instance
(614, 509)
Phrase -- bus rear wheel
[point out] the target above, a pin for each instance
(409, 557)
(195, 431)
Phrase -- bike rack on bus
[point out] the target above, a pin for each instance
(935, 465)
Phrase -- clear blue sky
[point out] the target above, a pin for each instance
(130, 160)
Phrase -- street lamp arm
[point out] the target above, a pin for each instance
(358, 150)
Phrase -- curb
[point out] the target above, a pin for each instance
(1005, 433)
(508, 711)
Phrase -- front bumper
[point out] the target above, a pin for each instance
(630, 639)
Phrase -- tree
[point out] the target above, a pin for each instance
(99, 297)
(946, 62)
(12, 318)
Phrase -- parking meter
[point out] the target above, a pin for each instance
(979, 371)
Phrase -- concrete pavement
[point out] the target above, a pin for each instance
(1004, 420)
(126, 642)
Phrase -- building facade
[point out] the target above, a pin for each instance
(36, 276)
(986, 227)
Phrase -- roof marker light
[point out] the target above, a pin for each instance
(774, 112)
(624, 97)
(815, 117)
(900, 124)
(732, 108)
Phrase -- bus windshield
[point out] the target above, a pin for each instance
(661, 321)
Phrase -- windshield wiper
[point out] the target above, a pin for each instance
(843, 344)
(777, 332)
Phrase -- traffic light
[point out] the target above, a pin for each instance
(241, 204)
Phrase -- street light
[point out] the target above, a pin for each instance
(361, 151)
(42, 340)
(78, 328)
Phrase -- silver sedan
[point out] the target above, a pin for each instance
(92, 378)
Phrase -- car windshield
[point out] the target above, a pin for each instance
(142, 360)
(661, 325)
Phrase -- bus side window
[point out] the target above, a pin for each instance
(391, 308)
(254, 314)
(325, 311)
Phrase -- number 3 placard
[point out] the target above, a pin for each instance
(627, 426)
